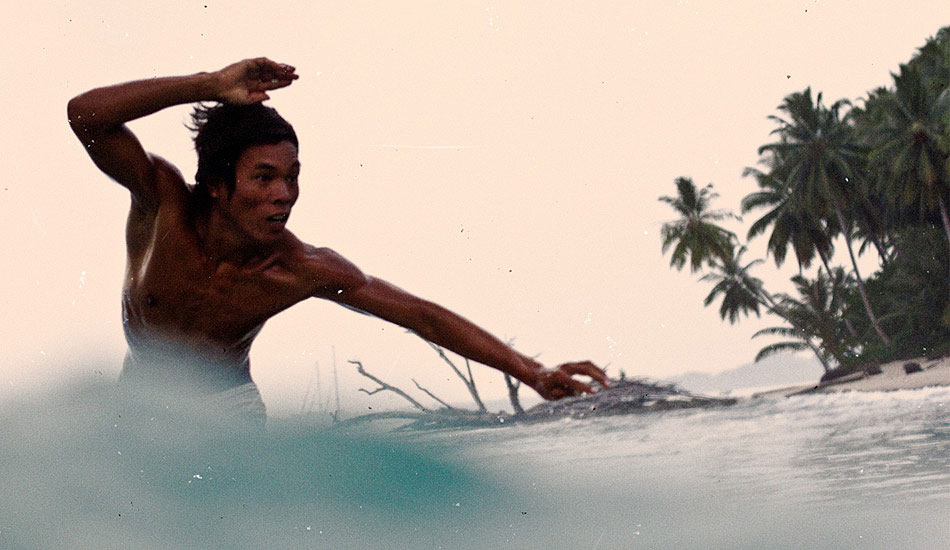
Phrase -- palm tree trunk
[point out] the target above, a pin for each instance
(824, 261)
(946, 226)
(857, 275)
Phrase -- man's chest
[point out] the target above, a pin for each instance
(175, 288)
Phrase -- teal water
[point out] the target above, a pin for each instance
(831, 471)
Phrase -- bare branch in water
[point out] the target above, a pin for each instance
(469, 381)
(468, 365)
(385, 386)
(513, 386)
(432, 395)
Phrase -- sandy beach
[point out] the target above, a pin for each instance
(934, 372)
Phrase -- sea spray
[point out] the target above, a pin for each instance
(80, 469)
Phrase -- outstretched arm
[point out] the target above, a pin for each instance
(98, 116)
(449, 330)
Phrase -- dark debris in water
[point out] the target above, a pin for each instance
(623, 397)
(626, 397)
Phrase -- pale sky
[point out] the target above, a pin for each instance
(501, 159)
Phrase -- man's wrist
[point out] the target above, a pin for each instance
(532, 371)
(208, 86)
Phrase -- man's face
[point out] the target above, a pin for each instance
(265, 189)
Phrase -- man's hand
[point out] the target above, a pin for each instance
(559, 382)
(248, 81)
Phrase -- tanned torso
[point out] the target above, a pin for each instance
(176, 293)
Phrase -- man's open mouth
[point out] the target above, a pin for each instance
(278, 218)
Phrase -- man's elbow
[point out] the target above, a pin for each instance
(78, 115)
(81, 114)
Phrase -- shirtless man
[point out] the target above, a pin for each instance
(209, 263)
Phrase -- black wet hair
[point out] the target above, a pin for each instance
(223, 132)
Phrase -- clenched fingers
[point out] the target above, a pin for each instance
(586, 368)
(578, 387)
(567, 386)
(271, 74)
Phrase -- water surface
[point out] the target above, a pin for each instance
(858, 470)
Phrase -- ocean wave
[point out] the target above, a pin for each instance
(83, 469)
(80, 470)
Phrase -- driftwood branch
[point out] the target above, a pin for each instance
(432, 395)
(445, 358)
(468, 381)
(387, 387)
(513, 386)
(468, 366)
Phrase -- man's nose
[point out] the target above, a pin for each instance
(283, 194)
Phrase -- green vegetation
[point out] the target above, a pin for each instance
(873, 177)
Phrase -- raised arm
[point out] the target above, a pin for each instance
(451, 331)
(98, 116)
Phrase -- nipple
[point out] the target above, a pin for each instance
(150, 300)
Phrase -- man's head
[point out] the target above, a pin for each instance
(223, 133)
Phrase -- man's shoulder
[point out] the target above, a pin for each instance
(323, 267)
(170, 183)
(165, 167)
(299, 251)
(167, 188)
(166, 203)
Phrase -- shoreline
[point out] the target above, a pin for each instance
(934, 372)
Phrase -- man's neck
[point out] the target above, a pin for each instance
(220, 242)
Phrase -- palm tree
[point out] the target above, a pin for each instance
(823, 161)
(914, 145)
(839, 283)
(869, 120)
(790, 220)
(743, 294)
(933, 58)
(697, 237)
(819, 309)
(798, 342)
(740, 291)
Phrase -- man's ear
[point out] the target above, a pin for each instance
(216, 189)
